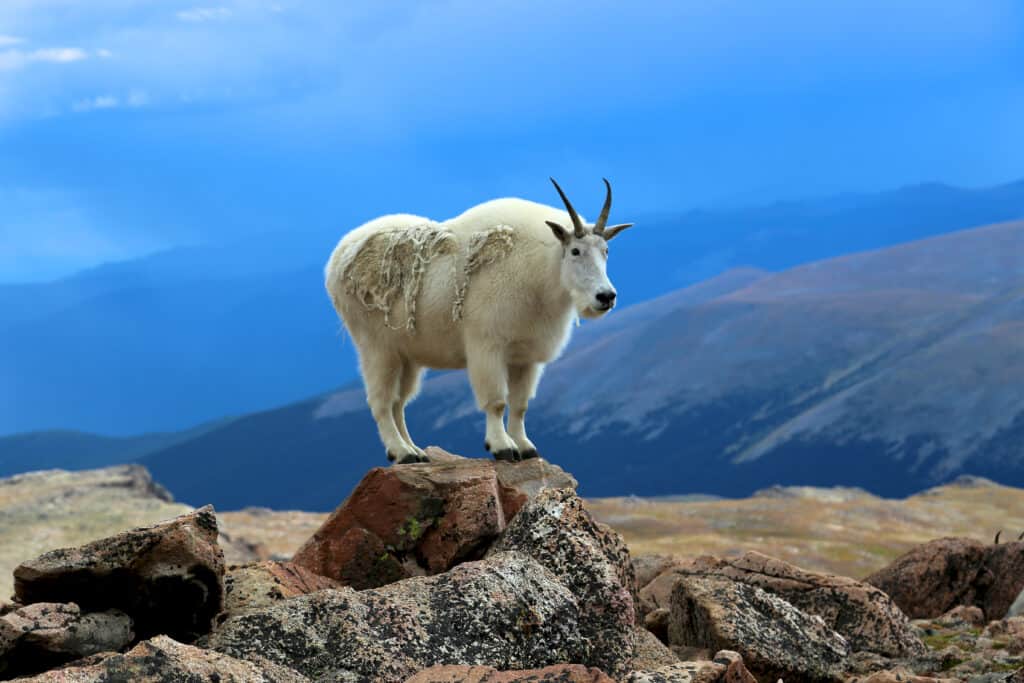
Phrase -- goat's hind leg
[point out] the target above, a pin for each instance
(408, 387)
(382, 375)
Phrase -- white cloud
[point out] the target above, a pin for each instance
(200, 14)
(103, 53)
(98, 102)
(134, 99)
(11, 60)
(137, 98)
(6, 41)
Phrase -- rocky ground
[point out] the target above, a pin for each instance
(470, 570)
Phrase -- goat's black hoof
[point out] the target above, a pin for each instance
(529, 454)
(507, 455)
(409, 459)
(391, 456)
(421, 457)
(487, 446)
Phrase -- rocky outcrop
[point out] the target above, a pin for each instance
(861, 613)
(44, 635)
(774, 638)
(935, 577)
(169, 577)
(424, 519)
(590, 560)
(163, 660)
(507, 611)
(50, 509)
(262, 584)
(559, 673)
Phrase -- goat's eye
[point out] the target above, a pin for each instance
(575, 252)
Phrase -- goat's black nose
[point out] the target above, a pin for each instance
(606, 297)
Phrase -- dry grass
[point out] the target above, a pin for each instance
(839, 531)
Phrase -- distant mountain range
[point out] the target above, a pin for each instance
(184, 337)
(892, 369)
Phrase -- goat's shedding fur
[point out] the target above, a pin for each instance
(494, 290)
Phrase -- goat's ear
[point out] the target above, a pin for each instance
(614, 230)
(561, 233)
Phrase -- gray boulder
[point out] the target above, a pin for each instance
(775, 639)
(506, 611)
(588, 558)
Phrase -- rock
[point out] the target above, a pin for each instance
(169, 578)
(50, 509)
(937, 576)
(680, 672)
(1017, 608)
(650, 653)
(559, 673)
(649, 567)
(591, 560)
(735, 669)
(656, 594)
(657, 623)
(900, 676)
(44, 635)
(421, 519)
(774, 637)
(1008, 631)
(163, 660)
(506, 611)
(1005, 562)
(864, 615)
(261, 584)
(961, 614)
(239, 550)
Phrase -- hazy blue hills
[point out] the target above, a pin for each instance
(892, 370)
(187, 336)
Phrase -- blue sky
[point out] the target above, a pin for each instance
(130, 126)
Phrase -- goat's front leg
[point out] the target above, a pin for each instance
(486, 368)
(522, 386)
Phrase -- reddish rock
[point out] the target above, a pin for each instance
(649, 567)
(961, 614)
(560, 673)
(169, 577)
(656, 594)
(1010, 631)
(937, 576)
(44, 635)
(261, 584)
(421, 519)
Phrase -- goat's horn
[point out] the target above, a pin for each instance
(602, 220)
(1021, 537)
(577, 224)
(996, 542)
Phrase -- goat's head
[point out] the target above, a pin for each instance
(585, 257)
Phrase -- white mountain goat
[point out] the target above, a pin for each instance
(494, 290)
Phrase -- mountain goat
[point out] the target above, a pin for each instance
(494, 290)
